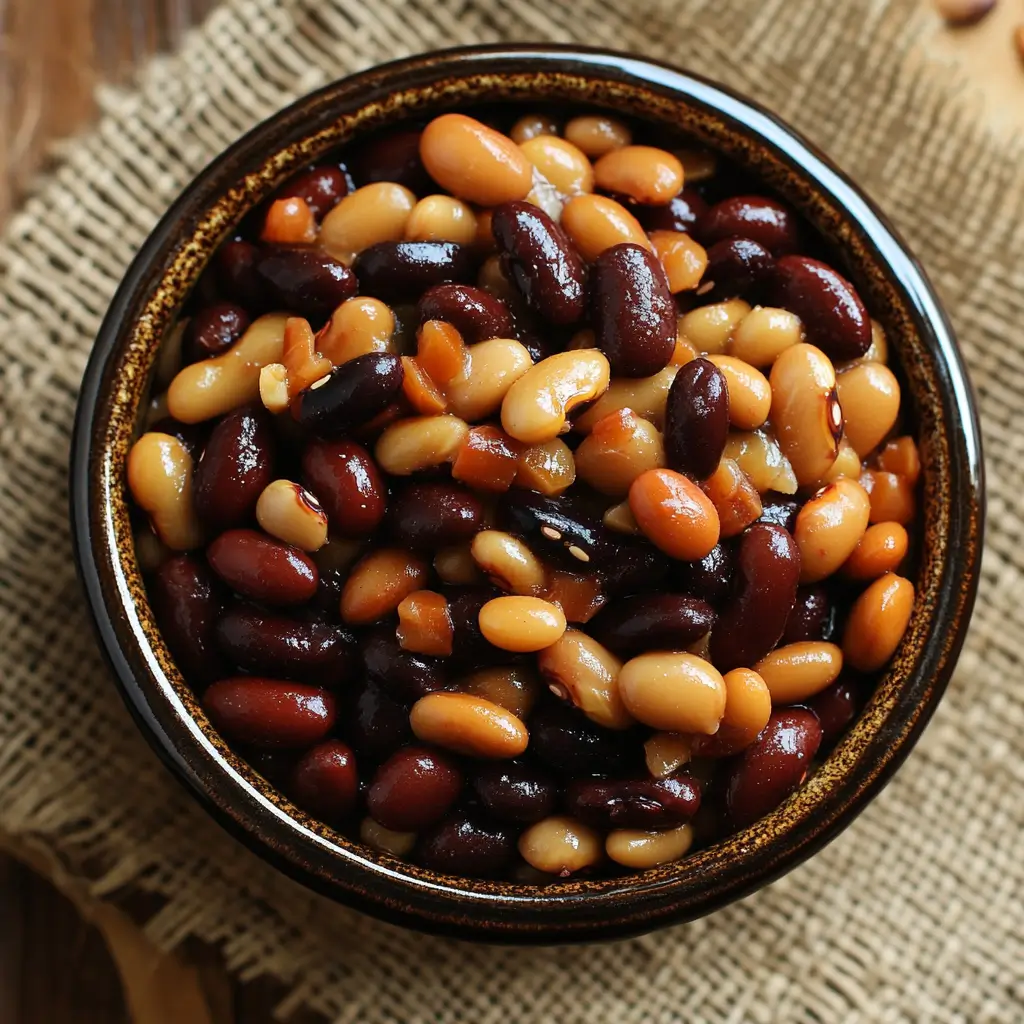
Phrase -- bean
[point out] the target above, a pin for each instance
(413, 789)
(378, 583)
(235, 271)
(490, 369)
(511, 687)
(736, 268)
(321, 187)
(595, 223)
(677, 692)
(645, 396)
(665, 752)
(829, 527)
(696, 419)
(645, 174)
(508, 562)
(674, 513)
(764, 334)
(680, 213)
(530, 126)
(325, 782)
(307, 282)
(832, 312)
(813, 616)
(292, 515)
(750, 625)
(891, 495)
(376, 724)
(877, 621)
(359, 326)
(750, 395)
(683, 259)
(798, 671)
(269, 714)
(468, 725)
(193, 436)
(538, 258)
(764, 220)
(421, 442)
(560, 846)
(709, 578)
(847, 464)
(899, 456)
(560, 162)
(637, 849)
(263, 569)
(515, 791)
(517, 623)
(397, 271)
(404, 675)
(734, 496)
(597, 134)
(393, 157)
(160, 480)
(576, 667)
(289, 221)
(371, 215)
(351, 395)
(566, 741)
(347, 483)
(619, 448)
(709, 328)
(186, 602)
(464, 846)
(474, 313)
(748, 707)
(870, 397)
(634, 803)
(214, 329)
(386, 840)
(645, 622)
(441, 219)
(837, 706)
(548, 467)
(772, 766)
(882, 548)
(431, 515)
(424, 624)
(633, 311)
(780, 510)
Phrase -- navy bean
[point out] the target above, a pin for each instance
(565, 740)
(475, 314)
(268, 713)
(710, 578)
(262, 568)
(352, 394)
(396, 271)
(634, 803)
(307, 282)
(646, 622)
(414, 788)
(433, 515)
(322, 187)
(392, 157)
(464, 846)
(213, 330)
(680, 213)
(813, 616)
(404, 675)
(634, 313)
(779, 509)
(538, 258)
(838, 705)
(325, 782)
(347, 483)
(763, 220)
(376, 724)
(514, 791)
(736, 267)
(696, 419)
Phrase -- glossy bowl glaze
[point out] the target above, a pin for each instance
(867, 249)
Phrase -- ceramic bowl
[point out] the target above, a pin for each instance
(115, 389)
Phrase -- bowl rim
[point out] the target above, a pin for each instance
(393, 890)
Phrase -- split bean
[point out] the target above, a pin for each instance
(487, 460)
(666, 752)
(424, 624)
(548, 468)
(760, 456)
(735, 498)
(646, 396)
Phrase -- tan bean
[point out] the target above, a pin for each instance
(674, 691)
(377, 212)
(750, 394)
(595, 223)
(512, 687)
(735, 498)
(359, 326)
(289, 221)
(619, 448)
(748, 706)
(508, 562)
(674, 514)
(880, 550)
(536, 406)
(847, 464)
(441, 219)
(870, 398)
(709, 328)
(805, 412)
(633, 848)
(667, 752)
(684, 351)
(878, 351)
(764, 334)
(378, 583)
(560, 845)
(900, 456)
(597, 134)
(829, 527)
(456, 566)
(620, 518)
(548, 468)
(290, 513)
(798, 671)
(877, 622)
(160, 479)
(562, 163)
(646, 396)
(420, 442)
(529, 126)
(644, 173)
(521, 624)
(385, 840)
(425, 624)
(490, 369)
(698, 165)
(683, 258)
(759, 456)
(891, 495)
(468, 725)
(212, 387)
(474, 162)
(579, 669)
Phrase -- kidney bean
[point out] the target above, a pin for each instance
(464, 846)
(276, 766)
(235, 467)
(469, 647)
(696, 419)
(680, 213)
(779, 509)
(322, 187)
(813, 616)
(475, 314)
(763, 220)
(514, 791)
(568, 742)
(634, 313)
(404, 675)
(347, 483)
(709, 578)
(433, 515)
(832, 312)
(413, 788)
(325, 782)
(538, 258)
(280, 647)
(737, 267)
(262, 569)
(751, 624)
(269, 713)
(186, 603)
(235, 270)
(634, 803)
(308, 282)
(837, 706)
(214, 330)
(392, 157)
(646, 622)
(352, 394)
(772, 766)
(395, 271)
(376, 724)
(191, 435)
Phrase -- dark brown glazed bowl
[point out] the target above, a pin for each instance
(895, 289)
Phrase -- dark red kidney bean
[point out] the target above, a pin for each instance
(464, 846)
(433, 515)
(213, 330)
(772, 766)
(268, 644)
(565, 740)
(186, 602)
(812, 618)
(736, 267)
(307, 282)
(696, 419)
(832, 312)
(352, 394)
(276, 766)
(325, 605)
(235, 270)
(475, 314)
(634, 803)
(469, 648)
(764, 220)
(325, 782)
(322, 187)
(779, 509)
(709, 578)
(634, 314)
(538, 258)
(191, 435)
(647, 622)
(751, 624)
(347, 483)
(269, 713)
(262, 568)
(838, 705)
(375, 724)
(680, 213)
(405, 675)
(413, 788)
(394, 157)
(635, 565)
(513, 791)
(237, 463)
(394, 271)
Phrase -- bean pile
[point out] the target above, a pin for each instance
(527, 504)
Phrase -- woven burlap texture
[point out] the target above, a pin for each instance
(914, 914)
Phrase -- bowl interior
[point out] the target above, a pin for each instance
(114, 398)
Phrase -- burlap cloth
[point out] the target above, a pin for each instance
(914, 914)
